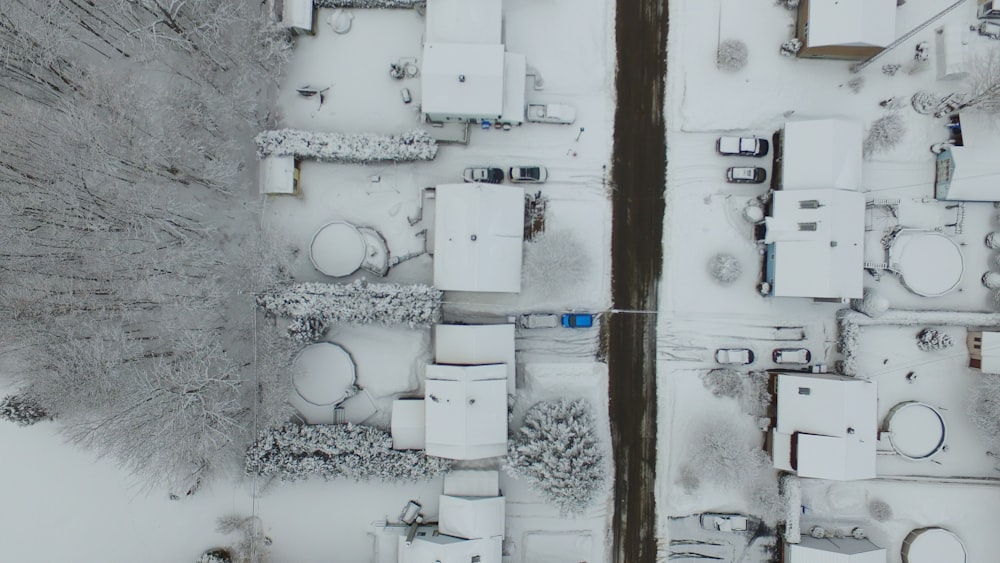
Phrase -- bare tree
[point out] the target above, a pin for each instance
(982, 82)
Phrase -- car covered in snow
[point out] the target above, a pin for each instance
(551, 113)
(791, 356)
(528, 174)
(746, 174)
(725, 522)
(539, 320)
(741, 356)
(577, 320)
(742, 146)
(483, 174)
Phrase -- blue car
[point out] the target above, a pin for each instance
(577, 320)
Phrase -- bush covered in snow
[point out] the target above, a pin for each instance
(732, 55)
(314, 307)
(723, 382)
(217, 555)
(930, 340)
(885, 133)
(880, 510)
(363, 453)
(891, 69)
(725, 268)
(22, 409)
(251, 547)
(557, 452)
(347, 147)
(925, 102)
(872, 303)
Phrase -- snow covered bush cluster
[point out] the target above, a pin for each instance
(791, 47)
(347, 147)
(732, 55)
(557, 452)
(725, 268)
(750, 389)
(362, 453)
(872, 303)
(368, 3)
(885, 133)
(314, 307)
(22, 410)
(890, 69)
(931, 340)
(723, 382)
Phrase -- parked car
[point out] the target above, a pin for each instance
(539, 320)
(791, 356)
(742, 146)
(725, 522)
(746, 174)
(577, 320)
(483, 174)
(551, 113)
(742, 356)
(528, 174)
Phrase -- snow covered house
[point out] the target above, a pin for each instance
(821, 153)
(834, 550)
(815, 244)
(478, 237)
(968, 170)
(984, 350)
(467, 75)
(827, 426)
(845, 29)
(433, 547)
(279, 175)
(470, 345)
(466, 411)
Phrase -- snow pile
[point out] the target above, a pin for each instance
(558, 453)
(363, 453)
(347, 147)
(314, 307)
(369, 3)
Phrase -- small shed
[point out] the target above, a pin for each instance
(279, 175)
(471, 517)
(298, 15)
(466, 411)
(408, 425)
(845, 29)
(834, 550)
(476, 345)
(984, 350)
(821, 153)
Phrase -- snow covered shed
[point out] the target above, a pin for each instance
(821, 153)
(834, 550)
(845, 29)
(470, 345)
(471, 518)
(466, 411)
(408, 425)
(478, 237)
(984, 350)
(827, 426)
(815, 244)
(278, 175)
(969, 169)
(464, 21)
(440, 548)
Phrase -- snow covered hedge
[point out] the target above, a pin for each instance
(314, 307)
(558, 454)
(347, 147)
(363, 453)
(369, 3)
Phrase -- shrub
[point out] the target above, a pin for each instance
(880, 510)
(23, 410)
(791, 47)
(885, 133)
(723, 382)
(368, 3)
(725, 268)
(930, 340)
(732, 55)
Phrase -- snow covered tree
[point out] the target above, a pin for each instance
(885, 133)
(554, 263)
(880, 510)
(725, 268)
(732, 55)
(314, 307)
(724, 382)
(722, 454)
(557, 452)
(992, 240)
(991, 280)
(217, 555)
(347, 147)
(22, 409)
(253, 546)
(924, 102)
(984, 410)
(362, 453)
(982, 83)
(872, 303)
(932, 340)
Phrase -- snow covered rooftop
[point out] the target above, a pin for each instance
(858, 23)
(475, 345)
(478, 237)
(989, 351)
(464, 21)
(821, 153)
(462, 81)
(969, 172)
(471, 517)
(472, 483)
(466, 411)
(446, 549)
(835, 550)
(297, 14)
(835, 419)
(408, 426)
(277, 175)
(816, 243)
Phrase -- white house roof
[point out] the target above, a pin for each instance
(461, 79)
(297, 14)
(277, 174)
(835, 550)
(464, 21)
(472, 483)
(478, 237)
(860, 23)
(821, 153)
(408, 426)
(466, 411)
(818, 238)
(475, 345)
(991, 352)
(446, 549)
(471, 517)
(835, 419)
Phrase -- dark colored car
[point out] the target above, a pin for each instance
(746, 175)
(483, 174)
